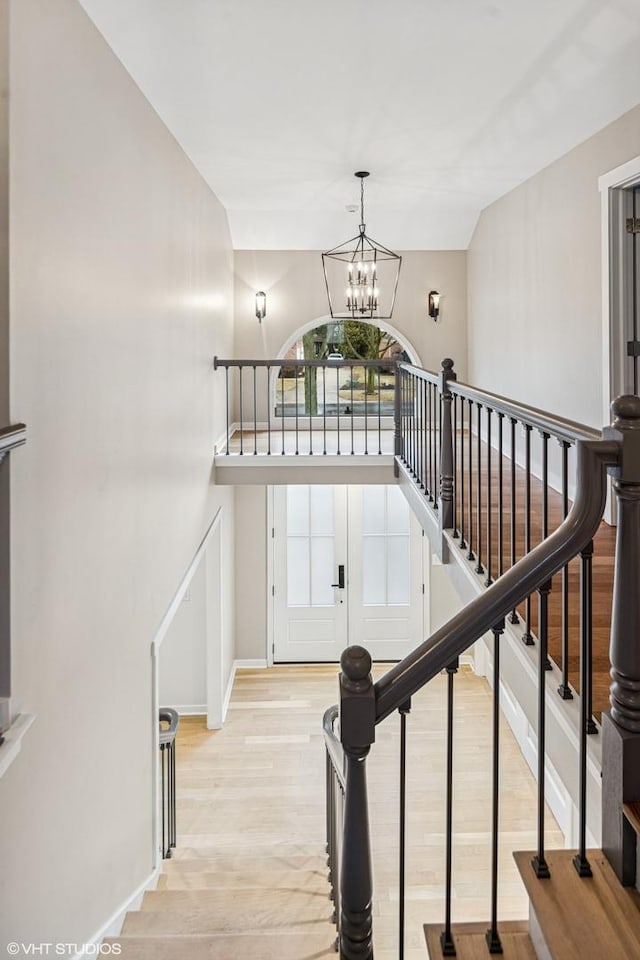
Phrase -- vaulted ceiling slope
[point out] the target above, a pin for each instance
(449, 103)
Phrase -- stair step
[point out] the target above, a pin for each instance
(270, 946)
(190, 861)
(582, 918)
(471, 944)
(312, 881)
(632, 813)
(249, 919)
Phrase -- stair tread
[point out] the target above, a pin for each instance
(470, 940)
(583, 918)
(210, 911)
(309, 880)
(632, 813)
(192, 861)
(273, 945)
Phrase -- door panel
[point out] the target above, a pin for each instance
(385, 583)
(368, 532)
(310, 541)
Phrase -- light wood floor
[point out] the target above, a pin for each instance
(251, 806)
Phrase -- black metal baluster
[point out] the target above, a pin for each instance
(366, 426)
(479, 568)
(414, 425)
(429, 438)
(500, 498)
(351, 373)
(513, 616)
(437, 399)
(312, 382)
(539, 863)
(454, 442)
(268, 409)
(462, 544)
(164, 799)
(380, 417)
(338, 407)
(416, 413)
(544, 596)
(324, 410)
(580, 861)
(296, 373)
(255, 414)
(564, 689)
(434, 436)
(492, 935)
(590, 725)
(282, 405)
(527, 638)
(226, 384)
(173, 795)
(422, 483)
(489, 580)
(446, 937)
(240, 368)
(470, 554)
(403, 711)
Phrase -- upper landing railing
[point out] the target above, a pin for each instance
(309, 407)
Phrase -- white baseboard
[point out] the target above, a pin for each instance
(113, 926)
(190, 709)
(238, 665)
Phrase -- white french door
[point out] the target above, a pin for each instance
(347, 568)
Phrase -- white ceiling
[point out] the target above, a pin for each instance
(449, 103)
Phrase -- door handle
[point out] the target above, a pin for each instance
(340, 582)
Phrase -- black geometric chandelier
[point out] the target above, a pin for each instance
(361, 275)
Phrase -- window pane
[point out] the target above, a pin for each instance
(298, 510)
(323, 572)
(397, 511)
(321, 509)
(373, 571)
(373, 511)
(398, 570)
(297, 572)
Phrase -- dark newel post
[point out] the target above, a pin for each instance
(446, 447)
(397, 418)
(357, 732)
(621, 724)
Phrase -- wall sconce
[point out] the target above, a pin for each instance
(434, 304)
(261, 305)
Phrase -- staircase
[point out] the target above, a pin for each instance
(273, 908)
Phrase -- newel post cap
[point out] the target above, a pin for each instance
(625, 430)
(357, 702)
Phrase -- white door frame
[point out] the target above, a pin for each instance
(612, 186)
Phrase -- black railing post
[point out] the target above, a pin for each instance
(621, 724)
(357, 733)
(446, 447)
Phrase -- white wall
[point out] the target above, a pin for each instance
(534, 274)
(121, 294)
(182, 666)
(296, 295)
(251, 572)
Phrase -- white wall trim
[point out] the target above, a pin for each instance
(113, 926)
(189, 709)
(327, 318)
